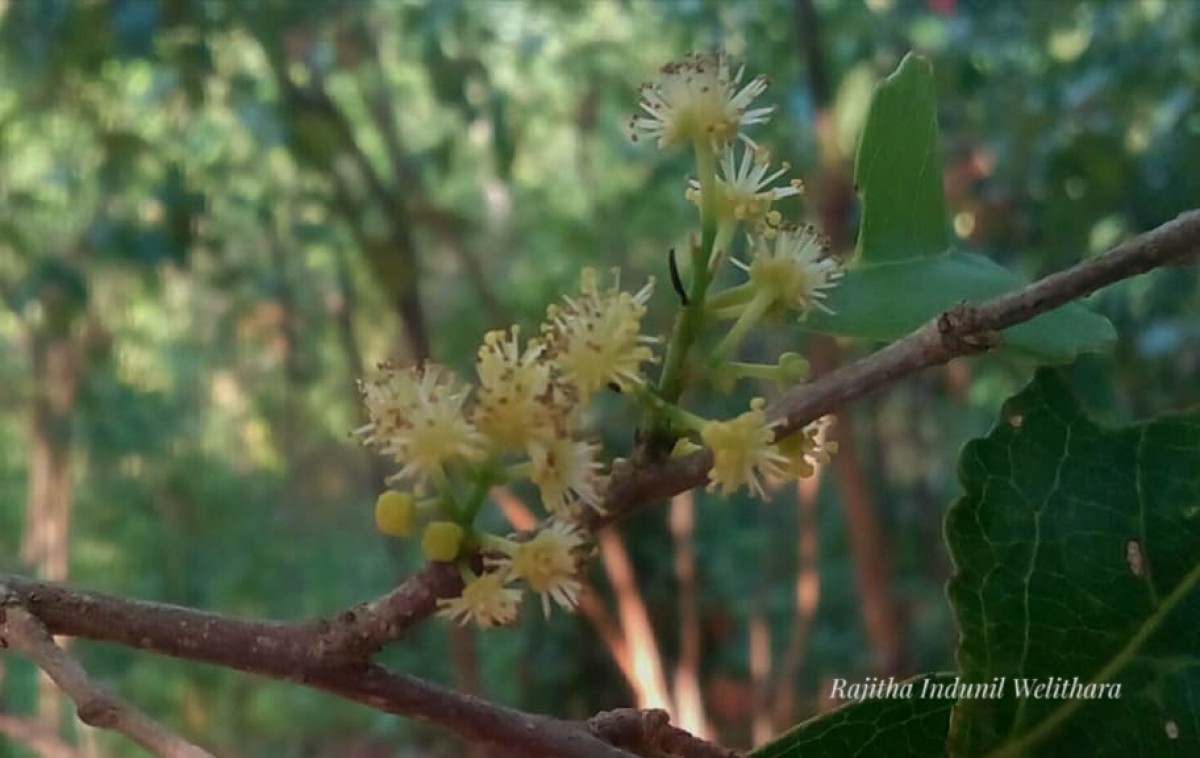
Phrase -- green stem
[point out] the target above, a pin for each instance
(749, 318)
(496, 543)
(466, 572)
(691, 317)
(738, 295)
(724, 236)
(756, 371)
(484, 479)
(706, 167)
(518, 471)
(447, 503)
(681, 419)
(728, 313)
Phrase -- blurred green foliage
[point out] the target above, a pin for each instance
(176, 197)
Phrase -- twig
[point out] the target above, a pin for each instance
(94, 705)
(516, 732)
(968, 329)
(287, 651)
(350, 637)
(649, 732)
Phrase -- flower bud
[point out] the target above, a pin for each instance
(395, 513)
(792, 368)
(441, 541)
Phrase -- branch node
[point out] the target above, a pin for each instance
(99, 713)
(649, 732)
(962, 330)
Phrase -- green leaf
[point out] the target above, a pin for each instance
(885, 302)
(897, 170)
(884, 727)
(1077, 556)
(904, 274)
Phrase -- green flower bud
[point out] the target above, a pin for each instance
(441, 541)
(792, 368)
(395, 513)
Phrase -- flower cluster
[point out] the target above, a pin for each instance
(546, 563)
(697, 103)
(522, 419)
(597, 337)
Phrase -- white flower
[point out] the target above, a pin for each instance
(743, 450)
(417, 418)
(518, 400)
(546, 563)
(596, 339)
(743, 188)
(485, 600)
(697, 100)
(794, 268)
(807, 448)
(565, 472)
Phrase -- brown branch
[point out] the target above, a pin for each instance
(968, 329)
(94, 705)
(349, 638)
(477, 720)
(649, 732)
(274, 650)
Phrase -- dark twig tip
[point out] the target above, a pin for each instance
(676, 279)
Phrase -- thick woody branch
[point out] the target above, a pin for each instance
(188, 633)
(516, 732)
(278, 651)
(94, 705)
(649, 732)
